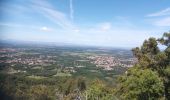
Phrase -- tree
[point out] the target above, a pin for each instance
(155, 64)
(41, 92)
(99, 91)
(140, 84)
(81, 84)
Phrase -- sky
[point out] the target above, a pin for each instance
(112, 23)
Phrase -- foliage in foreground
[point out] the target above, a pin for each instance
(141, 85)
(149, 79)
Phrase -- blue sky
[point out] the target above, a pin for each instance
(115, 23)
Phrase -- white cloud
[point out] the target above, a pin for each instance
(71, 10)
(163, 22)
(76, 30)
(46, 29)
(160, 13)
(52, 14)
(105, 26)
(10, 24)
(100, 27)
(160, 18)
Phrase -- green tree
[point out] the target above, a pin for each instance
(99, 91)
(140, 84)
(81, 84)
(41, 92)
(153, 62)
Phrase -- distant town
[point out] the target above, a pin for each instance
(109, 62)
